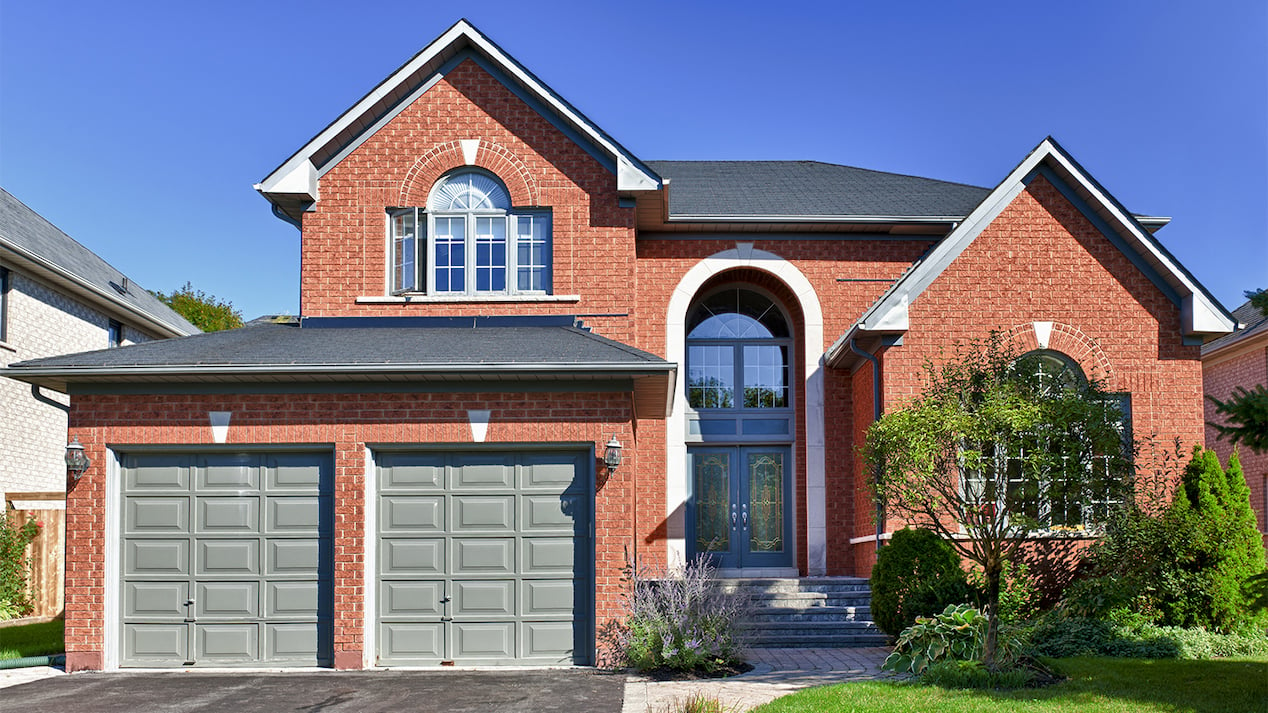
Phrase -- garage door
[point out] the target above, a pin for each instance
(226, 559)
(484, 558)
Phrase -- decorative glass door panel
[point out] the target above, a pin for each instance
(740, 517)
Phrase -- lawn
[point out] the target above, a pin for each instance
(1096, 685)
(41, 639)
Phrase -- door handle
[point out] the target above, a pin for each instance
(746, 518)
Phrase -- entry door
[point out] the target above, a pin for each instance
(739, 506)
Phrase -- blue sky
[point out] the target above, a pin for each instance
(139, 128)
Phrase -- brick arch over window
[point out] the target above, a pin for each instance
(1068, 340)
(495, 158)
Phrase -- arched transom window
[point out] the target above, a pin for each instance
(469, 240)
(738, 345)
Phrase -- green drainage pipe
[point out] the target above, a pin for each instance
(32, 661)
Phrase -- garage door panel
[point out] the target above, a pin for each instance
(157, 516)
(483, 514)
(483, 556)
(411, 599)
(417, 642)
(237, 516)
(156, 644)
(227, 643)
(484, 598)
(548, 598)
(168, 473)
(416, 472)
(150, 558)
(551, 513)
(297, 643)
(155, 600)
(412, 557)
(488, 640)
(555, 472)
(402, 514)
(552, 641)
(292, 557)
(482, 471)
(228, 600)
(292, 600)
(293, 515)
(292, 472)
(228, 558)
(547, 557)
(230, 472)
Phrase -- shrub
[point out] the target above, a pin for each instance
(15, 595)
(957, 634)
(1064, 636)
(1018, 592)
(972, 674)
(698, 703)
(916, 574)
(1189, 566)
(677, 621)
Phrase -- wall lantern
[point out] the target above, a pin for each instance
(612, 454)
(76, 460)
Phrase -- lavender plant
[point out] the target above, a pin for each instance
(680, 621)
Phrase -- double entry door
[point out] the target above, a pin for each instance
(739, 505)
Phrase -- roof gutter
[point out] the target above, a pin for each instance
(164, 328)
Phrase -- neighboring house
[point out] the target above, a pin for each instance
(493, 290)
(1239, 359)
(57, 297)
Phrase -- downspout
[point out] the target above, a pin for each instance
(279, 213)
(876, 416)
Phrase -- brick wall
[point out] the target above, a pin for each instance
(1242, 365)
(348, 421)
(42, 322)
(1041, 260)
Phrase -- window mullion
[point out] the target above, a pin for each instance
(469, 250)
(512, 254)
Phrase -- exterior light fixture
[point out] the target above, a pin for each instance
(76, 460)
(612, 454)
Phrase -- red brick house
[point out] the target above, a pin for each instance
(493, 291)
(1239, 360)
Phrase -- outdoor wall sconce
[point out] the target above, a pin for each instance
(612, 454)
(76, 460)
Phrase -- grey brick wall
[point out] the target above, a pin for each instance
(42, 321)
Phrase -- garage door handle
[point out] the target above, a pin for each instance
(445, 600)
(189, 602)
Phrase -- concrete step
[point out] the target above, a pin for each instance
(839, 641)
(808, 584)
(823, 613)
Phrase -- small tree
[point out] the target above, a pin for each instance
(201, 309)
(997, 450)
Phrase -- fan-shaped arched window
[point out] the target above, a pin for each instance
(468, 240)
(738, 344)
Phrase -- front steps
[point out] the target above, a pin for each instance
(808, 612)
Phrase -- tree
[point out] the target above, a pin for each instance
(201, 309)
(995, 452)
(1246, 411)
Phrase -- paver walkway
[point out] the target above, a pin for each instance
(776, 672)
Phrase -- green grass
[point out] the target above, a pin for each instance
(42, 639)
(1096, 685)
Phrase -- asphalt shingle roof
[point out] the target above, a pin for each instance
(1256, 323)
(264, 344)
(808, 188)
(28, 233)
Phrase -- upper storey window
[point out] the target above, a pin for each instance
(469, 241)
(738, 344)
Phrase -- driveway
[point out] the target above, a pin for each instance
(571, 690)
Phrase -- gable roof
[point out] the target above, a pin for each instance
(1201, 315)
(27, 239)
(368, 349)
(806, 190)
(1256, 325)
(294, 184)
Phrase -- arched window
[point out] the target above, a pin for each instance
(469, 240)
(738, 345)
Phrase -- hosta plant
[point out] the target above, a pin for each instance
(957, 634)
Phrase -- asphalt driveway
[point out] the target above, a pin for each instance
(570, 690)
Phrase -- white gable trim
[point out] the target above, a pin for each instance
(743, 255)
(631, 174)
(1200, 314)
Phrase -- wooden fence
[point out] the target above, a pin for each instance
(46, 551)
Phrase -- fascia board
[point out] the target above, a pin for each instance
(636, 175)
(430, 369)
(300, 180)
(98, 295)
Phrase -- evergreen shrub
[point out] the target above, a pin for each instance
(916, 574)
